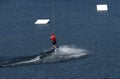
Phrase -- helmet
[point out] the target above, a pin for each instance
(52, 33)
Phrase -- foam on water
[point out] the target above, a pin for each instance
(71, 51)
(65, 53)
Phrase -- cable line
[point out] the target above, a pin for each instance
(53, 16)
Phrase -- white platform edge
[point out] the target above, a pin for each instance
(102, 7)
(42, 21)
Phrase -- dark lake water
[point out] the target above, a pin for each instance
(89, 41)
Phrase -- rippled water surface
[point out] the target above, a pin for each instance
(88, 40)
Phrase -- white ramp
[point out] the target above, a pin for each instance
(102, 7)
(42, 21)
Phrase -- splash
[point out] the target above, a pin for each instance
(65, 53)
(71, 51)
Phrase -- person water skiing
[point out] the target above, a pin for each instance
(53, 39)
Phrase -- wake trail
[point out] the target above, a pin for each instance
(63, 53)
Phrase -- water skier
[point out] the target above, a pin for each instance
(53, 39)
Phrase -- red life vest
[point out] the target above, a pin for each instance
(53, 37)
